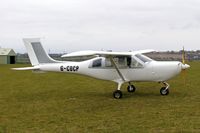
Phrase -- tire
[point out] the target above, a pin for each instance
(163, 91)
(131, 88)
(117, 94)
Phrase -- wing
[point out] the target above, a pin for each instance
(105, 53)
(108, 54)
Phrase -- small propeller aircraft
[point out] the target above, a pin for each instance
(120, 67)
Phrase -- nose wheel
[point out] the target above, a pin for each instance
(165, 90)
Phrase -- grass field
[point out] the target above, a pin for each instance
(66, 103)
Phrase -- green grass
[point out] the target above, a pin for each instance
(66, 103)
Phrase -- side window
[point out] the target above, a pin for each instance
(120, 61)
(108, 63)
(97, 63)
(135, 64)
(129, 62)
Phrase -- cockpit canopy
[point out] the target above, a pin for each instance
(136, 61)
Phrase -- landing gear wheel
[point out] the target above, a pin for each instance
(164, 91)
(117, 94)
(131, 88)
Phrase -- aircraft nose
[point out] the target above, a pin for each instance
(185, 66)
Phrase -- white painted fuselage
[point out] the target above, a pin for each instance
(156, 71)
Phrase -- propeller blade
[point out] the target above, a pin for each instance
(184, 74)
(183, 56)
(184, 67)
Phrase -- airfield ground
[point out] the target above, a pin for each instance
(66, 103)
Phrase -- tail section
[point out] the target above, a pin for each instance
(36, 52)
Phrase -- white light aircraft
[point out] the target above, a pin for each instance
(120, 67)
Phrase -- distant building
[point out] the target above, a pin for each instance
(7, 56)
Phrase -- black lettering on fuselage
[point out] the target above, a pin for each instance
(69, 68)
(61, 68)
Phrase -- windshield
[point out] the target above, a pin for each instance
(143, 58)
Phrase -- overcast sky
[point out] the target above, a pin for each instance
(118, 25)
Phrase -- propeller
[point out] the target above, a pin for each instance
(184, 66)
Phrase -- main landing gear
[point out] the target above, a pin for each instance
(118, 93)
(165, 90)
(131, 88)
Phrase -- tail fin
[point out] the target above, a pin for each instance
(36, 52)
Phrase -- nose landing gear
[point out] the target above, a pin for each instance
(165, 90)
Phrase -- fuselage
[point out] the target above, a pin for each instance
(139, 70)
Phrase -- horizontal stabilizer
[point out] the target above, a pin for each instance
(27, 68)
